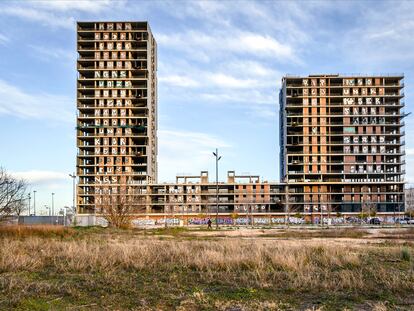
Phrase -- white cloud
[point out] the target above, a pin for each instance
(185, 152)
(409, 151)
(267, 45)
(4, 39)
(251, 97)
(249, 86)
(224, 15)
(77, 5)
(266, 112)
(178, 80)
(35, 15)
(37, 177)
(252, 68)
(226, 81)
(49, 53)
(381, 40)
(237, 73)
(16, 102)
(236, 42)
(58, 13)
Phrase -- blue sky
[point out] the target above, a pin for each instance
(220, 67)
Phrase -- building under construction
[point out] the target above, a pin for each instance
(198, 195)
(117, 111)
(341, 139)
(342, 143)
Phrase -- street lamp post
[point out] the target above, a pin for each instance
(216, 154)
(287, 209)
(29, 198)
(73, 176)
(65, 212)
(48, 209)
(362, 209)
(34, 202)
(53, 208)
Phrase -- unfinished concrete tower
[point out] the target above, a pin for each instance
(342, 143)
(117, 111)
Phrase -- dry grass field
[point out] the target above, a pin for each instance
(55, 268)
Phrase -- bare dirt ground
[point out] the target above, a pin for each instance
(361, 233)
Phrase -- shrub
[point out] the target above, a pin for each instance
(405, 254)
(36, 230)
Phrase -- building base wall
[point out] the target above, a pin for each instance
(270, 219)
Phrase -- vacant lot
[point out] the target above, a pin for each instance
(52, 268)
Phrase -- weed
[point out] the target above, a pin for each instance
(405, 254)
(163, 269)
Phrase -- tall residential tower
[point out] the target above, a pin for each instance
(342, 143)
(117, 110)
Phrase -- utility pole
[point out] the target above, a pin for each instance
(320, 205)
(53, 208)
(73, 176)
(328, 205)
(34, 202)
(49, 209)
(216, 154)
(362, 208)
(29, 197)
(287, 204)
(65, 214)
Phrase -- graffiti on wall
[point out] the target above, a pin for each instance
(143, 222)
(169, 221)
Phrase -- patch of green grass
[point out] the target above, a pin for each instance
(35, 304)
(319, 233)
(405, 254)
(173, 231)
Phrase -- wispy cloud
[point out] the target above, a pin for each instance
(53, 53)
(185, 152)
(45, 18)
(57, 14)
(248, 67)
(91, 6)
(38, 177)
(390, 38)
(178, 80)
(19, 103)
(227, 81)
(237, 42)
(4, 39)
(231, 76)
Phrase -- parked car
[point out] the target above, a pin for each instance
(374, 221)
(353, 220)
(410, 221)
(401, 221)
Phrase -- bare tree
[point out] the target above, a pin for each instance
(118, 204)
(12, 195)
